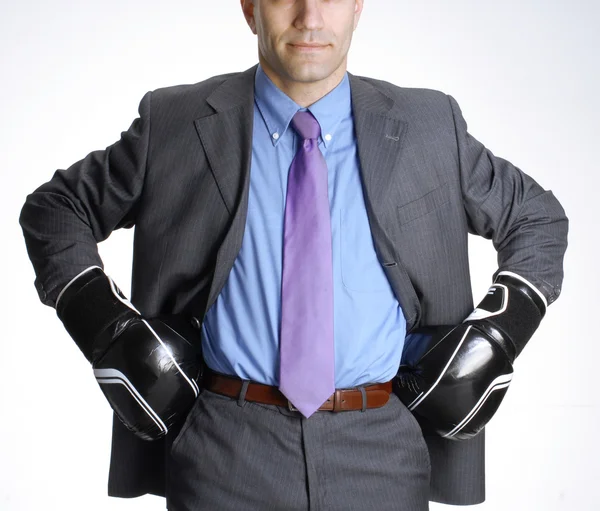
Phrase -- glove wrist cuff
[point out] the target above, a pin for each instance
(510, 313)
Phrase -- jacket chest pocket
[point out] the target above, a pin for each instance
(422, 206)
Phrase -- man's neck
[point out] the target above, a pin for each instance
(305, 93)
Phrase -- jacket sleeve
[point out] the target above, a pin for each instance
(527, 225)
(65, 218)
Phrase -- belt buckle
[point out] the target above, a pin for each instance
(291, 407)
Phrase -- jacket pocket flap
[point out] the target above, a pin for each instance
(423, 205)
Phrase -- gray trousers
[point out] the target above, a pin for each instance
(237, 455)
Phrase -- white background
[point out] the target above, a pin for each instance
(525, 74)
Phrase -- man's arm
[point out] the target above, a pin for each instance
(64, 219)
(148, 368)
(454, 377)
(526, 223)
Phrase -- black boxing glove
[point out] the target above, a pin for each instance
(453, 378)
(148, 369)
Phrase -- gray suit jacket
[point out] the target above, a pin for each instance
(180, 174)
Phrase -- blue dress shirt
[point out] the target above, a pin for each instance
(240, 333)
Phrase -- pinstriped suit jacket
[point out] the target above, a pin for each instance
(180, 174)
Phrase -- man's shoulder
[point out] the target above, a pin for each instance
(414, 95)
(179, 103)
(202, 88)
(423, 106)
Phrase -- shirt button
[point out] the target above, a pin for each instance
(328, 137)
(195, 322)
(275, 135)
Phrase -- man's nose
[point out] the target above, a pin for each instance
(309, 15)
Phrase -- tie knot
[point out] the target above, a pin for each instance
(306, 125)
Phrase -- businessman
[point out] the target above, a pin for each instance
(302, 220)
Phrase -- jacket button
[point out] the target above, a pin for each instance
(196, 322)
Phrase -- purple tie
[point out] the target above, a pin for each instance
(306, 373)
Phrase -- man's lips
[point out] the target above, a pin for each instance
(308, 47)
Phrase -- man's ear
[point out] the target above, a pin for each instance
(358, 7)
(248, 10)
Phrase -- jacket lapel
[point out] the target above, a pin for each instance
(380, 133)
(226, 136)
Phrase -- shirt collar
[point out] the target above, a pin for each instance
(278, 109)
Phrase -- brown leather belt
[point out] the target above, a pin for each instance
(376, 394)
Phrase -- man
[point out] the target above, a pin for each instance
(204, 175)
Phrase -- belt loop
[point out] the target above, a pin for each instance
(242, 397)
(364, 398)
